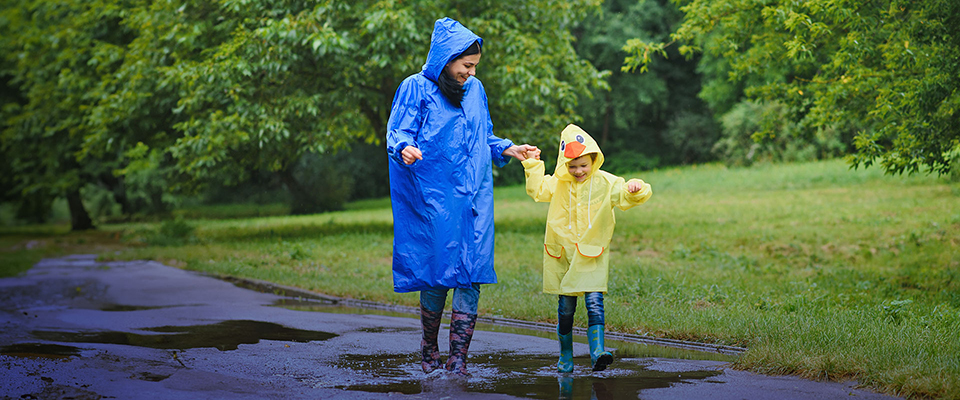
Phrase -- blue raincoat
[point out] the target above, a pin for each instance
(442, 204)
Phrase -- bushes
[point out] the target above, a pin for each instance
(755, 131)
(954, 157)
(692, 135)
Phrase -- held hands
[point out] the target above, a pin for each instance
(411, 154)
(634, 185)
(534, 154)
(520, 152)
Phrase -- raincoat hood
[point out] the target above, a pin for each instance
(449, 39)
(575, 142)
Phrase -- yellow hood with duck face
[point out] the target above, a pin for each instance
(575, 142)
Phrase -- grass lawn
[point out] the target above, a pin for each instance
(821, 271)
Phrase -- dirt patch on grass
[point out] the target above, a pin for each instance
(647, 253)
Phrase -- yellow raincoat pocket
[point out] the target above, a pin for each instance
(589, 251)
(587, 260)
(553, 250)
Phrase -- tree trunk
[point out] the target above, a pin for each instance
(116, 186)
(303, 202)
(79, 219)
(605, 136)
(157, 206)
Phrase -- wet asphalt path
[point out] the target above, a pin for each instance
(76, 328)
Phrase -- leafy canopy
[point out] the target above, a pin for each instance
(182, 94)
(884, 69)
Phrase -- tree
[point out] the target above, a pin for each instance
(273, 81)
(143, 97)
(653, 118)
(55, 54)
(884, 71)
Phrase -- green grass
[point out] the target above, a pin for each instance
(821, 271)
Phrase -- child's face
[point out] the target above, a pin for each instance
(580, 167)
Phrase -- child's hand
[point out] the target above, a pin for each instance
(519, 151)
(634, 185)
(535, 154)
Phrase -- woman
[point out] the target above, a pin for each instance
(440, 142)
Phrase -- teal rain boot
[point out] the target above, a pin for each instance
(566, 351)
(599, 356)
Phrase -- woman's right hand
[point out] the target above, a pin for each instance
(411, 154)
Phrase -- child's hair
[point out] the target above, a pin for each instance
(593, 157)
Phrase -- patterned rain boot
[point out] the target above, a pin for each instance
(566, 387)
(429, 350)
(566, 352)
(461, 332)
(599, 356)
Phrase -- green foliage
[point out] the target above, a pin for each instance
(754, 131)
(642, 120)
(884, 76)
(692, 135)
(275, 81)
(954, 157)
(55, 54)
(145, 97)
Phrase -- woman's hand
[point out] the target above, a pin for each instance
(411, 154)
(519, 152)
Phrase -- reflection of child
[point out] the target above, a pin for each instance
(580, 225)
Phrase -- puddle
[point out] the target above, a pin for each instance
(118, 307)
(522, 375)
(226, 335)
(624, 349)
(288, 302)
(40, 350)
(151, 377)
(518, 375)
(388, 330)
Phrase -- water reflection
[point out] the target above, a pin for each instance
(521, 375)
(224, 335)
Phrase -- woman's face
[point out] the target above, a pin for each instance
(463, 67)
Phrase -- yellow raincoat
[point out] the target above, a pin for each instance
(580, 220)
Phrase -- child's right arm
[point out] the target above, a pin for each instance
(540, 187)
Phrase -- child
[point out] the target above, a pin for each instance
(580, 225)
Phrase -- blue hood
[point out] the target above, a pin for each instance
(449, 39)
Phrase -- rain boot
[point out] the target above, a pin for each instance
(599, 356)
(566, 387)
(430, 352)
(566, 352)
(461, 332)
